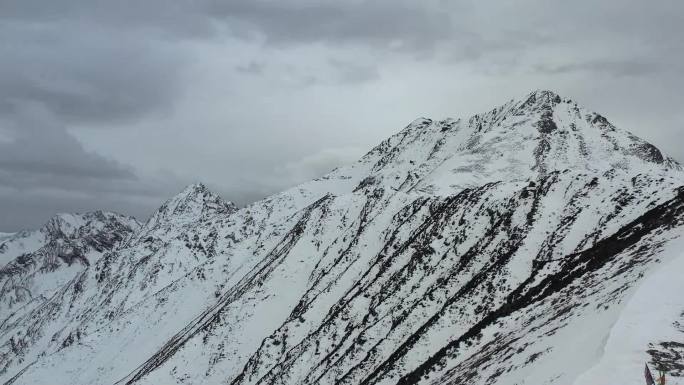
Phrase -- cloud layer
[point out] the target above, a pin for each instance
(117, 104)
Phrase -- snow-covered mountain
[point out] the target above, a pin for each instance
(37, 266)
(533, 244)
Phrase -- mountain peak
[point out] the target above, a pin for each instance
(67, 238)
(194, 199)
(64, 223)
(524, 139)
(195, 203)
(543, 99)
(199, 193)
(194, 189)
(544, 93)
(68, 224)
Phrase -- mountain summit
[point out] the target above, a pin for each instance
(191, 204)
(522, 139)
(188, 208)
(520, 245)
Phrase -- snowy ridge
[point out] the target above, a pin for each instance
(520, 140)
(476, 250)
(652, 318)
(41, 263)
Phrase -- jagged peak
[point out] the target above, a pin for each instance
(538, 100)
(542, 105)
(194, 203)
(528, 137)
(69, 223)
(197, 193)
(545, 94)
(65, 221)
(420, 122)
(194, 188)
(66, 235)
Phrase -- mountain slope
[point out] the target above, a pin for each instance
(39, 265)
(505, 248)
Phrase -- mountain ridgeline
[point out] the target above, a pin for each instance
(518, 246)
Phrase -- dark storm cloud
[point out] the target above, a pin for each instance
(62, 68)
(35, 146)
(45, 170)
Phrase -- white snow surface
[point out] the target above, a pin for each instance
(652, 314)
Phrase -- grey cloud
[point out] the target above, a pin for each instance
(394, 24)
(352, 73)
(86, 77)
(472, 27)
(29, 209)
(614, 68)
(93, 62)
(38, 145)
(320, 163)
(187, 19)
(243, 94)
(331, 72)
(44, 170)
(254, 187)
(380, 22)
(60, 69)
(252, 67)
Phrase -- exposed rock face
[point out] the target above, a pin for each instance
(497, 249)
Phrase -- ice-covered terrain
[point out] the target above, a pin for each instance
(532, 244)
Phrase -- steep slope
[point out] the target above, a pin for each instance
(32, 259)
(653, 318)
(38, 265)
(119, 267)
(503, 249)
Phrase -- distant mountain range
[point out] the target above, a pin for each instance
(535, 243)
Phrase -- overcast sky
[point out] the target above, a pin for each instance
(118, 104)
